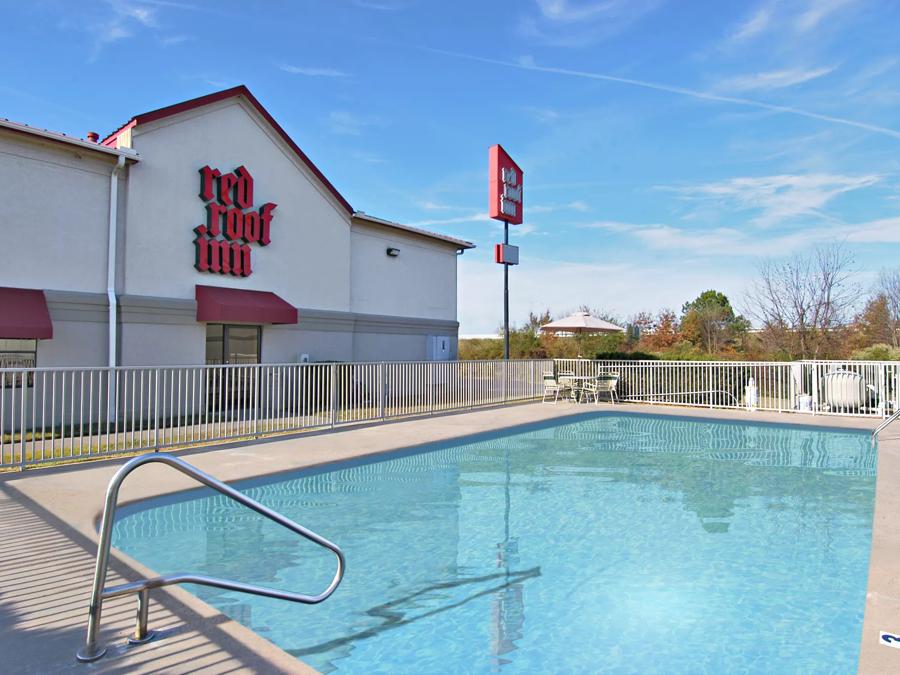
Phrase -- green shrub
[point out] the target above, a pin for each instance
(626, 356)
(878, 352)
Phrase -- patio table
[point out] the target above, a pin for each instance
(576, 389)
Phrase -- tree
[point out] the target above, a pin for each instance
(803, 302)
(889, 286)
(663, 334)
(873, 325)
(535, 321)
(710, 321)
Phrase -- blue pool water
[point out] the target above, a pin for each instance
(607, 543)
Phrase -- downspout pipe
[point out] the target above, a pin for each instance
(111, 259)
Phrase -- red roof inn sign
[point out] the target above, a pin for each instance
(505, 187)
(232, 224)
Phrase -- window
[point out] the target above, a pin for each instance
(226, 343)
(16, 353)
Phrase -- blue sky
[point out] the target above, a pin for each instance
(667, 146)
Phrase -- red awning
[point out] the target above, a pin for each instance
(24, 314)
(228, 305)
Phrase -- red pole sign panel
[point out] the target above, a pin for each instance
(506, 254)
(505, 192)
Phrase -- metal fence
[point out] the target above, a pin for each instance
(51, 415)
(857, 388)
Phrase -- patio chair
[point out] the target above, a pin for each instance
(551, 388)
(606, 383)
(590, 390)
(568, 384)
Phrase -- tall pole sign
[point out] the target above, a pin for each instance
(505, 203)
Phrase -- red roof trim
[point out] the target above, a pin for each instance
(25, 314)
(240, 90)
(110, 141)
(218, 304)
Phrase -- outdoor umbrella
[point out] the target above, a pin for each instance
(581, 322)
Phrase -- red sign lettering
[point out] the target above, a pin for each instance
(229, 213)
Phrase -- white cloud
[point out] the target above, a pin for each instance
(125, 19)
(479, 217)
(368, 157)
(312, 71)
(542, 115)
(758, 22)
(573, 12)
(774, 79)
(383, 5)
(172, 40)
(429, 205)
(881, 231)
(346, 123)
(577, 23)
(778, 198)
(777, 16)
(742, 243)
(817, 11)
(576, 205)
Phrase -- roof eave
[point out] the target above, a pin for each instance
(68, 140)
(460, 244)
(215, 97)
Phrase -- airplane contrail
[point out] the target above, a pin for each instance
(681, 91)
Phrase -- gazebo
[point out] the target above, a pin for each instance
(581, 322)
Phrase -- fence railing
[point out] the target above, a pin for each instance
(858, 388)
(51, 415)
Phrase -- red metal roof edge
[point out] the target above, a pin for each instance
(240, 90)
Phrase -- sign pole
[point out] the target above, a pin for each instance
(506, 295)
(504, 203)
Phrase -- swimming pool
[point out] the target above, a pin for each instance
(606, 542)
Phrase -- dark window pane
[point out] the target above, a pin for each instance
(215, 343)
(243, 344)
(17, 353)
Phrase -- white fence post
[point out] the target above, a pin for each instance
(381, 390)
(333, 395)
(505, 381)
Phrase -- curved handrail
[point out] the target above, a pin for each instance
(92, 650)
(884, 423)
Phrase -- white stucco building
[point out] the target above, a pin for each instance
(201, 233)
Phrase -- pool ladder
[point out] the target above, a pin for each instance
(92, 649)
(884, 423)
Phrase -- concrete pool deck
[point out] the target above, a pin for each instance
(48, 544)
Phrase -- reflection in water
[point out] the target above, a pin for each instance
(632, 523)
(396, 613)
(508, 604)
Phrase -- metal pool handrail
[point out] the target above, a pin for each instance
(92, 649)
(881, 427)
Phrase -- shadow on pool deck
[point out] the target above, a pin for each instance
(46, 569)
